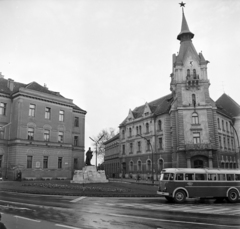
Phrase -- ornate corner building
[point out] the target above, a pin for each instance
(41, 132)
(185, 129)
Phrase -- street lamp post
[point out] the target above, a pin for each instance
(96, 142)
(152, 155)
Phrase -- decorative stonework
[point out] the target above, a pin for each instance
(89, 174)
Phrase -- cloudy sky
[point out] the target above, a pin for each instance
(110, 56)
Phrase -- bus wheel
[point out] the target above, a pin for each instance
(232, 196)
(180, 196)
(169, 199)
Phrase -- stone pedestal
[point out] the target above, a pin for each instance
(89, 174)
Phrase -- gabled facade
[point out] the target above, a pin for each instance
(41, 132)
(185, 129)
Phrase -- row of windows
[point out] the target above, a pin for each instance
(200, 176)
(139, 146)
(139, 129)
(227, 143)
(32, 112)
(226, 126)
(46, 136)
(45, 162)
(139, 165)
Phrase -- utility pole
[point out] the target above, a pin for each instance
(152, 154)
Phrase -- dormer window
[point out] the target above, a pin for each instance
(147, 113)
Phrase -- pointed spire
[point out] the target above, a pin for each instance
(185, 33)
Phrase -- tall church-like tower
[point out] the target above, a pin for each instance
(193, 113)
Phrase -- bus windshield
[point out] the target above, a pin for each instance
(167, 176)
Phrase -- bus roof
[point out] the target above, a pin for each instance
(199, 170)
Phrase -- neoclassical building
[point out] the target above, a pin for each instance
(184, 129)
(41, 132)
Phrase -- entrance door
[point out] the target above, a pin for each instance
(198, 163)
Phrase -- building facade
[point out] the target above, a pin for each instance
(41, 132)
(111, 158)
(185, 129)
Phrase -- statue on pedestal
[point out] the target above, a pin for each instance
(89, 155)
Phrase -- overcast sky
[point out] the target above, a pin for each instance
(110, 56)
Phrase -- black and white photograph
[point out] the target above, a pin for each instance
(119, 114)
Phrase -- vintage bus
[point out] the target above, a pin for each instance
(177, 184)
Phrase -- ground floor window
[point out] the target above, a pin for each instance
(29, 162)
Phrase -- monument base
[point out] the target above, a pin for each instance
(89, 174)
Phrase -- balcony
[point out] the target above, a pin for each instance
(199, 146)
(192, 80)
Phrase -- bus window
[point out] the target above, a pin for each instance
(200, 176)
(179, 176)
(230, 177)
(167, 176)
(171, 177)
(237, 176)
(221, 177)
(189, 176)
(212, 177)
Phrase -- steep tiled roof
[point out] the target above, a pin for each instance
(158, 106)
(228, 106)
(37, 87)
(4, 88)
(32, 86)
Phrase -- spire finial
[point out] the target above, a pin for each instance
(182, 5)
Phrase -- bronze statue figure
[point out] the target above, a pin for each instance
(89, 155)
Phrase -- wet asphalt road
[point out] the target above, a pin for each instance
(31, 211)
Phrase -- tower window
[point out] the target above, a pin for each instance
(195, 119)
(194, 100)
(196, 137)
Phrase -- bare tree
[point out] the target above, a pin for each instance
(104, 136)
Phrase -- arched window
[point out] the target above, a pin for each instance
(131, 166)
(137, 130)
(160, 165)
(130, 132)
(194, 100)
(195, 119)
(188, 72)
(140, 129)
(149, 165)
(159, 125)
(123, 133)
(147, 127)
(139, 165)
(148, 145)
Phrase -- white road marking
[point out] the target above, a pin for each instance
(38, 221)
(175, 221)
(60, 225)
(78, 199)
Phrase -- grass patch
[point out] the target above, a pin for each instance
(56, 187)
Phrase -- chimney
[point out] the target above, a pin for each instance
(10, 84)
